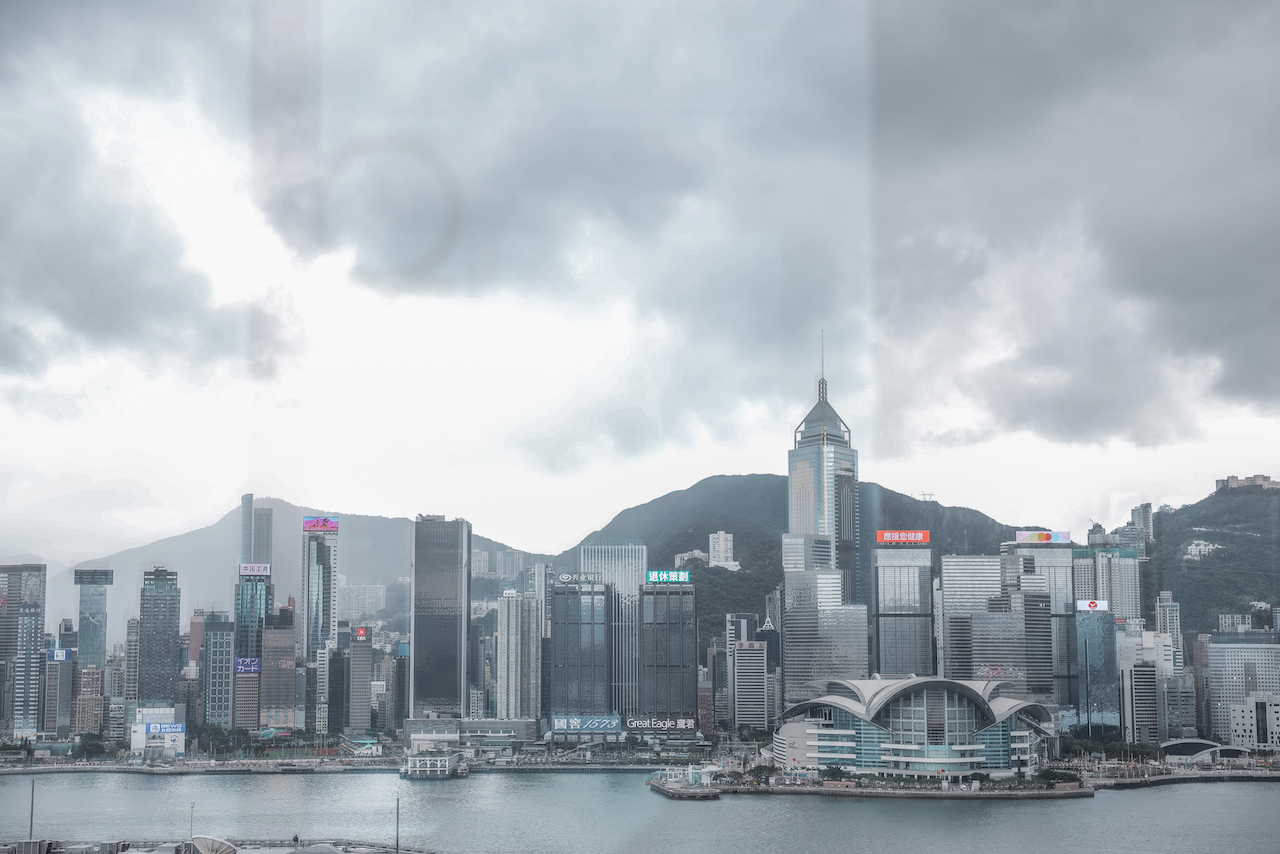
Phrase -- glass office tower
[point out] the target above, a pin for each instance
(622, 566)
(441, 615)
(904, 611)
(255, 595)
(93, 584)
(581, 661)
(319, 583)
(160, 614)
(668, 651)
(822, 496)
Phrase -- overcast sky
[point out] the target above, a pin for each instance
(532, 264)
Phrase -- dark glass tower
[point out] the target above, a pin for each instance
(441, 615)
(581, 663)
(668, 652)
(255, 595)
(160, 607)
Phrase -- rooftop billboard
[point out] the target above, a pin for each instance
(1092, 605)
(248, 665)
(320, 524)
(1043, 537)
(667, 576)
(255, 569)
(902, 536)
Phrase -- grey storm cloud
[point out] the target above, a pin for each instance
(84, 265)
(1142, 132)
(1088, 191)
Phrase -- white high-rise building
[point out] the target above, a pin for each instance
(357, 600)
(721, 551)
(510, 563)
(480, 563)
(752, 703)
(519, 657)
(1113, 576)
(1235, 671)
(1169, 617)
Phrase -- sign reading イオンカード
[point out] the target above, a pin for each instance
(902, 537)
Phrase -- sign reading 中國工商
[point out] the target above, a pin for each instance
(667, 576)
(255, 569)
(902, 536)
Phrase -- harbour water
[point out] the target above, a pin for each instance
(611, 812)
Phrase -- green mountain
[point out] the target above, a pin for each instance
(1245, 523)
(754, 509)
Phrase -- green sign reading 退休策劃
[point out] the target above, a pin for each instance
(667, 576)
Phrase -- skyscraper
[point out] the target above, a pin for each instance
(319, 583)
(581, 682)
(246, 528)
(821, 638)
(904, 611)
(1110, 575)
(277, 696)
(217, 655)
(1169, 617)
(132, 632)
(519, 656)
(93, 584)
(822, 498)
(441, 615)
(263, 533)
(968, 584)
(622, 567)
(159, 615)
(360, 679)
(668, 652)
(22, 600)
(255, 599)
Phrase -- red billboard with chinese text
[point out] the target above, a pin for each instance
(908, 537)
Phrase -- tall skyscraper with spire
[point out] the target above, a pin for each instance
(822, 498)
(824, 633)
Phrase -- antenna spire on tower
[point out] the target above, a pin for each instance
(822, 365)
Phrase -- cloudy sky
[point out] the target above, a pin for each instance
(532, 264)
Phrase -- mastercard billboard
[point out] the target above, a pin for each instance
(1043, 537)
(902, 536)
(320, 524)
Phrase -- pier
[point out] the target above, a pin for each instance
(684, 793)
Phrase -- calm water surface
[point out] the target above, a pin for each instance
(615, 812)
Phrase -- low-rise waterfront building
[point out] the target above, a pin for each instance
(915, 727)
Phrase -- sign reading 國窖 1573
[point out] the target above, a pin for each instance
(586, 723)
